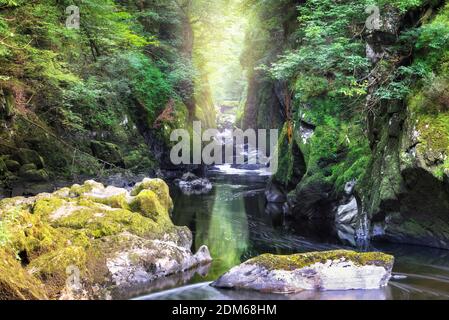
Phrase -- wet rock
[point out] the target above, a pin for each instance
(306, 131)
(192, 184)
(148, 260)
(314, 201)
(274, 194)
(189, 177)
(347, 213)
(331, 270)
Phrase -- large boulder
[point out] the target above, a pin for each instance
(331, 270)
(89, 241)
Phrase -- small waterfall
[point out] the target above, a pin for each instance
(363, 231)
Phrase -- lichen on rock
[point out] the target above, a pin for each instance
(329, 270)
(91, 228)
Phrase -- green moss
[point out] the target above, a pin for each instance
(302, 260)
(31, 234)
(97, 222)
(77, 190)
(147, 203)
(15, 282)
(78, 236)
(46, 206)
(55, 263)
(116, 201)
(159, 187)
(52, 267)
(285, 158)
(434, 133)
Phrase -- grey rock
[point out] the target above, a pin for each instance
(274, 194)
(148, 260)
(191, 184)
(333, 270)
(347, 213)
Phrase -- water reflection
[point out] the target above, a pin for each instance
(218, 220)
(204, 291)
(236, 224)
(225, 232)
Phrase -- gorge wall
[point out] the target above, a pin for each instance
(363, 113)
(102, 97)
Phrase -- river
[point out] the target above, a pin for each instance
(234, 223)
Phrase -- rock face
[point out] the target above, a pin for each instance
(407, 195)
(87, 241)
(331, 270)
(273, 194)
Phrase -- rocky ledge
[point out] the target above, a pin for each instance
(330, 270)
(87, 241)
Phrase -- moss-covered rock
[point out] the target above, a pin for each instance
(12, 165)
(159, 187)
(86, 228)
(329, 270)
(15, 282)
(29, 172)
(27, 156)
(108, 152)
(302, 260)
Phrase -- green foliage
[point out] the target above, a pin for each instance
(148, 85)
(9, 3)
(111, 78)
(328, 49)
(402, 5)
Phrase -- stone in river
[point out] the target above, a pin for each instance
(330, 270)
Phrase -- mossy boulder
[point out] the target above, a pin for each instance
(159, 187)
(108, 152)
(329, 270)
(12, 165)
(28, 156)
(3, 167)
(29, 172)
(89, 228)
(15, 282)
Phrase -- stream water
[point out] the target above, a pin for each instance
(234, 221)
(235, 224)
